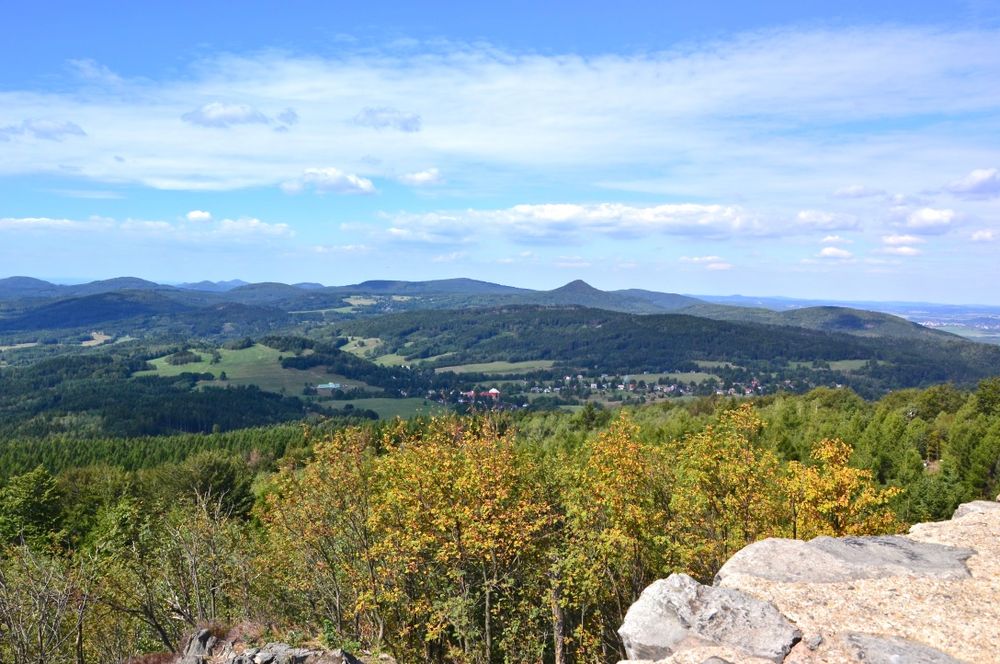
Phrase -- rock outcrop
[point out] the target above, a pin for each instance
(204, 647)
(929, 597)
(679, 612)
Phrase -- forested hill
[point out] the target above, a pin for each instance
(829, 319)
(612, 342)
(30, 305)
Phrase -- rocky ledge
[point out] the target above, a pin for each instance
(205, 647)
(929, 597)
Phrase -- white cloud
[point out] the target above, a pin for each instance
(341, 248)
(901, 251)
(92, 194)
(897, 240)
(430, 176)
(825, 221)
(985, 236)
(249, 226)
(198, 215)
(221, 115)
(836, 239)
(700, 259)
(570, 262)
(755, 115)
(48, 130)
(148, 227)
(930, 220)
(386, 117)
(50, 224)
(95, 72)
(558, 222)
(719, 266)
(246, 228)
(858, 191)
(450, 257)
(835, 253)
(330, 179)
(980, 183)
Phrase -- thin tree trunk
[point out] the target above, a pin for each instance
(558, 623)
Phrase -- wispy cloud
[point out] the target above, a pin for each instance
(835, 253)
(571, 262)
(700, 259)
(341, 248)
(93, 71)
(714, 263)
(449, 257)
(221, 115)
(858, 191)
(46, 130)
(249, 227)
(243, 228)
(572, 222)
(897, 240)
(53, 224)
(825, 221)
(386, 117)
(902, 251)
(430, 176)
(330, 180)
(92, 194)
(754, 114)
(901, 245)
(980, 183)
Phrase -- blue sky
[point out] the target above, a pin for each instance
(784, 148)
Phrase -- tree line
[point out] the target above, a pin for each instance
(518, 538)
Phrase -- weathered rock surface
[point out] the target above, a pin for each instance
(205, 648)
(678, 612)
(830, 559)
(975, 507)
(894, 650)
(929, 597)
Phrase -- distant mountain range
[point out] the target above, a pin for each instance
(33, 304)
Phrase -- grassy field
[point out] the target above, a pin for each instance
(712, 364)
(360, 346)
(836, 365)
(96, 339)
(257, 365)
(19, 346)
(391, 360)
(848, 365)
(390, 408)
(499, 368)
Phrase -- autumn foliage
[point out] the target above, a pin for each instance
(455, 539)
(452, 543)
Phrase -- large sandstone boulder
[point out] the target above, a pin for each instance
(678, 612)
(929, 597)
